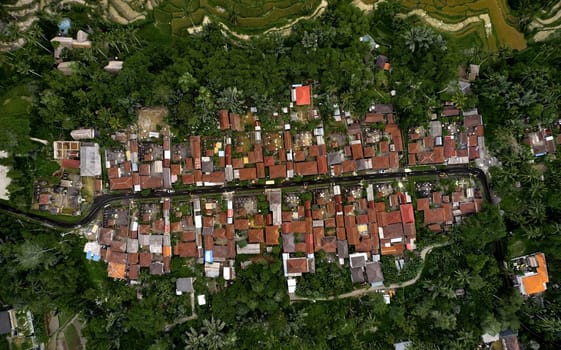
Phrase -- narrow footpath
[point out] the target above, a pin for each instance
(361, 292)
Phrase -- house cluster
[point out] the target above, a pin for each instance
(133, 237)
(343, 220)
(442, 209)
(542, 142)
(246, 154)
(80, 164)
(81, 42)
(374, 143)
(455, 137)
(530, 274)
(141, 163)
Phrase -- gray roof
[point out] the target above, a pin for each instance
(402, 345)
(132, 245)
(90, 160)
(288, 245)
(157, 268)
(380, 62)
(184, 285)
(374, 272)
(435, 128)
(207, 167)
(383, 108)
(357, 275)
(156, 239)
(358, 261)
(144, 240)
(334, 158)
(5, 325)
(342, 249)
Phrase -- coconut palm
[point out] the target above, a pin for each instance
(231, 99)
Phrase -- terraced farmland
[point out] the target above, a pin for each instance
(491, 20)
(242, 16)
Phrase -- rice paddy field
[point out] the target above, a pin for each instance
(490, 20)
(243, 16)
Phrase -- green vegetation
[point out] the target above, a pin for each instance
(329, 279)
(246, 16)
(463, 290)
(411, 266)
(503, 23)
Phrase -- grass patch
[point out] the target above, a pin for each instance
(97, 274)
(16, 101)
(517, 246)
(88, 188)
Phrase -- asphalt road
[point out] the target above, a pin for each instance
(102, 201)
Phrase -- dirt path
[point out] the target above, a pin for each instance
(361, 292)
(366, 7)
(193, 316)
(453, 27)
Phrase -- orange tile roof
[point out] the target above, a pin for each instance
(116, 270)
(537, 283)
(167, 251)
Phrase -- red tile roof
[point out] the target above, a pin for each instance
(145, 259)
(256, 235)
(297, 265)
(248, 174)
(322, 164)
(381, 162)
(349, 166)
(277, 171)
(224, 120)
(184, 250)
(150, 182)
(357, 151)
(413, 147)
(272, 235)
(407, 213)
(214, 177)
(306, 168)
(121, 183)
(303, 97)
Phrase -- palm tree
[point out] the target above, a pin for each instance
(533, 232)
(230, 99)
(462, 276)
(421, 38)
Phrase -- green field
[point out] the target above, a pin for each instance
(504, 34)
(15, 102)
(244, 16)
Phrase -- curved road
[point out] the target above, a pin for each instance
(102, 201)
(361, 292)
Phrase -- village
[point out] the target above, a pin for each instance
(355, 222)
(321, 197)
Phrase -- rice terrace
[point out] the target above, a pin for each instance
(241, 16)
(489, 21)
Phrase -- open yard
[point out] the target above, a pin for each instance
(243, 16)
(491, 20)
